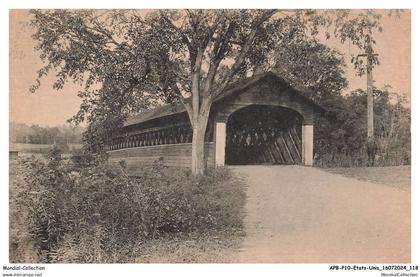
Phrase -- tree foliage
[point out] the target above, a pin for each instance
(341, 137)
(357, 27)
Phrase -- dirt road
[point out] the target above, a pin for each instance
(298, 214)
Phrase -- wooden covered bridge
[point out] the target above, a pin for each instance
(259, 120)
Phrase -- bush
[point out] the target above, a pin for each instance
(97, 213)
(21, 248)
(341, 134)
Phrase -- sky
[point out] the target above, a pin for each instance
(48, 107)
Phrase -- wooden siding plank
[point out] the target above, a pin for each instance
(175, 155)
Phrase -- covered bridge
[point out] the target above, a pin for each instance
(258, 120)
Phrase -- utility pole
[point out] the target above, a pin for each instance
(369, 92)
(370, 146)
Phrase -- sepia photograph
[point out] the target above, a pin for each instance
(209, 136)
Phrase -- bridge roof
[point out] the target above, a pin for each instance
(168, 110)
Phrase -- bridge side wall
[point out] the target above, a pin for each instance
(174, 155)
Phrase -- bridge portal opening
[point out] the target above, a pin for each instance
(259, 134)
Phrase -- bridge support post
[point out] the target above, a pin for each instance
(307, 144)
(220, 140)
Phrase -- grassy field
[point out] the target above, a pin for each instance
(394, 176)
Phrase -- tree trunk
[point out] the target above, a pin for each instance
(199, 126)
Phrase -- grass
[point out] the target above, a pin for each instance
(394, 176)
(213, 247)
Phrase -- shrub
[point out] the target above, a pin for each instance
(341, 134)
(21, 248)
(97, 213)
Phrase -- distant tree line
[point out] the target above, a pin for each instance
(35, 134)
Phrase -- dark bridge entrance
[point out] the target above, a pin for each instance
(260, 134)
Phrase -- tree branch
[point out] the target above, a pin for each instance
(185, 39)
(185, 102)
(190, 43)
(103, 32)
(219, 50)
(195, 82)
(245, 48)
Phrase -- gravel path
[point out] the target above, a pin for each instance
(298, 214)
